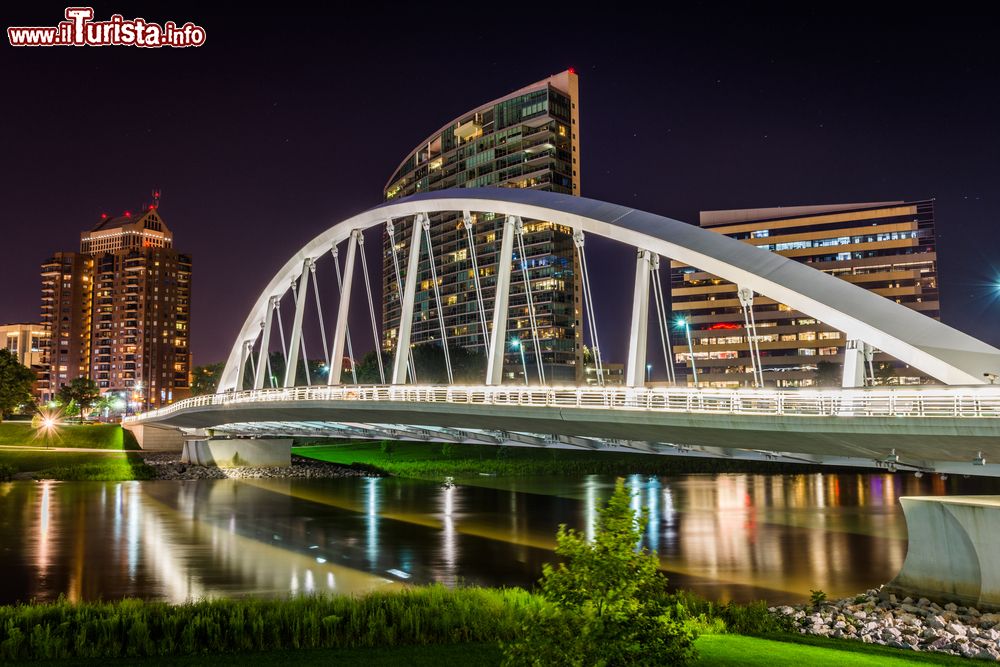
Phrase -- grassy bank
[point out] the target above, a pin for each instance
(21, 451)
(418, 626)
(74, 466)
(428, 460)
(83, 436)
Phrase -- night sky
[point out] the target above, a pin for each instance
(282, 125)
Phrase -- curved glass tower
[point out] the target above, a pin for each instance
(527, 139)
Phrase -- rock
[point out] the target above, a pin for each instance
(951, 606)
(956, 629)
(923, 602)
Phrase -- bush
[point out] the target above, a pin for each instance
(751, 619)
(608, 601)
(6, 472)
(448, 449)
(137, 629)
(387, 447)
(817, 598)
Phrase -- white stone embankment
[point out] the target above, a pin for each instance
(879, 617)
(170, 466)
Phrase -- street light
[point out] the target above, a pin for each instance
(683, 322)
(516, 344)
(649, 372)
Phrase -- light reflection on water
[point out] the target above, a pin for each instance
(727, 536)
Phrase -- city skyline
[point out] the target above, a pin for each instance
(663, 134)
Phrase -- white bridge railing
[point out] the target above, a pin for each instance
(971, 402)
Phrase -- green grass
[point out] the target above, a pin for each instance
(137, 629)
(395, 656)
(85, 436)
(425, 460)
(712, 649)
(735, 650)
(114, 466)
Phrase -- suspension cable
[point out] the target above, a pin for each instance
(302, 337)
(437, 297)
(371, 306)
(661, 317)
(467, 221)
(391, 231)
(319, 310)
(519, 227)
(588, 306)
(347, 327)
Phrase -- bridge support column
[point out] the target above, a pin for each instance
(498, 338)
(954, 550)
(856, 354)
(343, 309)
(242, 372)
(296, 342)
(265, 342)
(635, 371)
(406, 310)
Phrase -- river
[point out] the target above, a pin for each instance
(726, 536)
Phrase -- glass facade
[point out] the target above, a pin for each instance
(888, 248)
(528, 139)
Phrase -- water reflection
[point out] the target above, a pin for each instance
(726, 536)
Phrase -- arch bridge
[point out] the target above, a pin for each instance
(953, 427)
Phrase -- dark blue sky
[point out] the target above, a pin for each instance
(283, 124)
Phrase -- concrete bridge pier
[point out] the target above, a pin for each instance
(238, 452)
(954, 550)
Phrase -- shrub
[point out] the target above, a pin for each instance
(387, 447)
(817, 598)
(6, 472)
(448, 449)
(608, 600)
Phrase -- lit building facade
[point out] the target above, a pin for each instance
(28, 342)
(119, 311)
(886, 247)
(527, 139)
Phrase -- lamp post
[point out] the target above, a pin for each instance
(683, 322)
(649, 372)
(516, 344)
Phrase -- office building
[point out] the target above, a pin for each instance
(119, 310)
(886, 247)
(527, 139)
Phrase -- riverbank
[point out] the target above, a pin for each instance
(168, 465)
(879, 618)
(435, 461)
(414, 626)
(65, 435)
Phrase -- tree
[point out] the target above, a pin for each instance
(205, 379)
(609, 603)
(828, 374)
(16, 381)
(81, 392)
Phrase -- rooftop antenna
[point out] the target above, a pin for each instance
(156, 198)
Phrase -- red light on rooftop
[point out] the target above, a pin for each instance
(128, 214)
(103, 216)
(572, 70)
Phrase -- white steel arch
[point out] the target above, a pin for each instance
(942, 352)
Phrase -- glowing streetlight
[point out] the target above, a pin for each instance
(649, 372)
(683, 322)
(516, 344)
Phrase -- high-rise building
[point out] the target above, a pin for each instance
(527, 139)
(119, 310)
(886, 247)
(28, 342)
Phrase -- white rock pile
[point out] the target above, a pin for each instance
(879, 617)
(169, 466)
